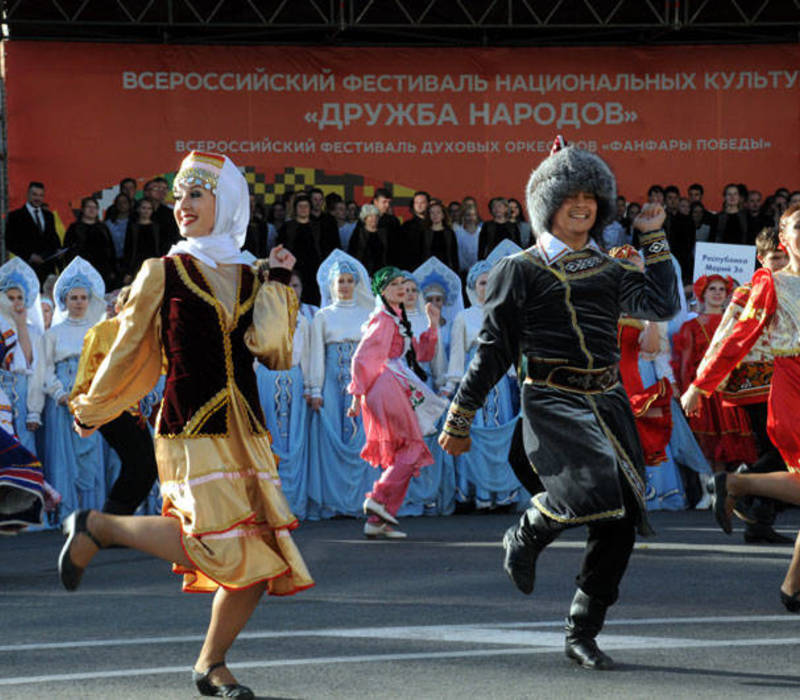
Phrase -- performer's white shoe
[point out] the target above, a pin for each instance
(372, 507)
(383, 530)
(705, 501)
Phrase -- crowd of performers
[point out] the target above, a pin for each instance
(572, 339)
(319, 440)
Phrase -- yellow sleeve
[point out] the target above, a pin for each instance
(96, 345)
(274, 319)
(133, 365)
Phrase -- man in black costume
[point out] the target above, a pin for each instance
(557, 304)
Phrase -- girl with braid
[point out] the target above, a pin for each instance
(388, 385)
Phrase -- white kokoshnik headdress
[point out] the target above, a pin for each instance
(80, 274)
(337, 263)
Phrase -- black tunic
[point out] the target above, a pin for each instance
(580, 443)
(310, 243)
(492, 233)
(94, 244)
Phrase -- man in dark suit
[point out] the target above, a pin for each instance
(155, 191)
(31, 233)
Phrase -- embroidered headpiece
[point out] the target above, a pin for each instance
(343, 267)
(17, 274)
(382, 278)
(479, 268)
(201, 169)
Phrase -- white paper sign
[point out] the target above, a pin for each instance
(738, 261)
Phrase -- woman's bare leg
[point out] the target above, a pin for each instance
(791, 583)
(229, 614)
(153, 534)
(782, 486)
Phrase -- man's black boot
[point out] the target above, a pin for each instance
(761, 533)
(586, 617)
(523, 543)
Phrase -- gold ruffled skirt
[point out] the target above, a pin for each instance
(235, 521)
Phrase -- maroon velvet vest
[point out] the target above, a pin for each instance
(207, 362)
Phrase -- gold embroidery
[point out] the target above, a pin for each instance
(616, 513)
(262, 430)
(224, 396)
(752, 312)
(574, 319)
(627, 321)
(203, 413)
(459, 421)
(629, 469)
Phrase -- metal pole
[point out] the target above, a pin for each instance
(3, 151)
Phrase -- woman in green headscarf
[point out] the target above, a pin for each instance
(389, 386)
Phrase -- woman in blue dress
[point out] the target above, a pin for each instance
(433, 491)
(74, 466)
(284, 396)
(664, 483)
(21, 308)
(338, 479)
(483, 475)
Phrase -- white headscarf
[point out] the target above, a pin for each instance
(217, 174)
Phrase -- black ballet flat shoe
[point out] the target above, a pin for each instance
(230, 690)
(791, 602)
(68, 572)
(719, 498)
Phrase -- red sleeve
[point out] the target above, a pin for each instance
(759, 310)
(425, 346)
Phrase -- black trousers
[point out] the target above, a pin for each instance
(769, 460)
(608, 550)
(133, 443)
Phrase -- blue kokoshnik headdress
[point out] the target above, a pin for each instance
(76, 281)
(17, 274)
(476, 271)
(344, 267)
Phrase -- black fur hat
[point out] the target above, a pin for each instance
(566, 172)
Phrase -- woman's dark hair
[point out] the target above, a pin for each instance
(521, 216)
(302, 197)
(446, 214)
(86, 200)
(113, 212)
(411, 355)
(137, 205)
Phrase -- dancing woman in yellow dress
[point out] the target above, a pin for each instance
(225, 524)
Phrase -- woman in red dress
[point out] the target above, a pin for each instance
(651, 405)
(774, 308)
(723, 432)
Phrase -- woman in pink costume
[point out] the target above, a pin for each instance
(389, 386)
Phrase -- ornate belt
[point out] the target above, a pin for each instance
(574, 379)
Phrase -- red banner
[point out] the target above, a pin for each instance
(451, 121)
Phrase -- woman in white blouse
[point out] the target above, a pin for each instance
(338, 478)
(73, 465)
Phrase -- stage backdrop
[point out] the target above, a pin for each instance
(450, 121)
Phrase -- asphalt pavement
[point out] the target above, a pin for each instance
(699, 616)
